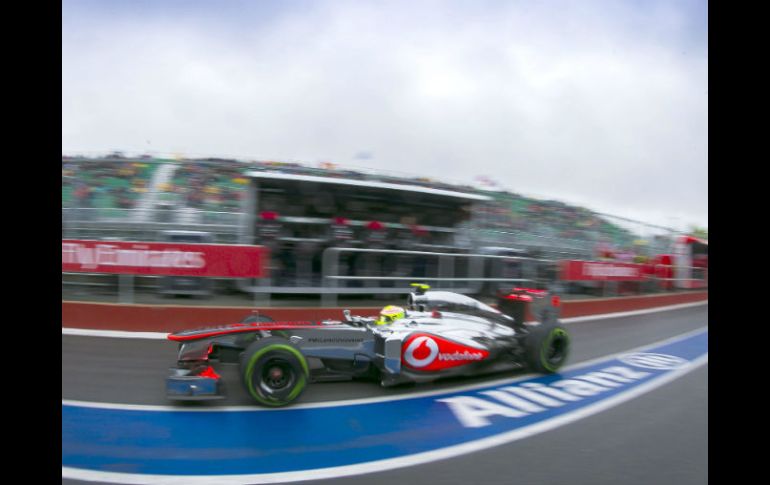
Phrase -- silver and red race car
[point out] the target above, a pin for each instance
(439, 334)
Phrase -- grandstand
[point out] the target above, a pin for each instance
(106, 183)
(300, 211)
(192, 192)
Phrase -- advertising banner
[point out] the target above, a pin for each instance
(164, 259)
(572, 270)
(163, 444)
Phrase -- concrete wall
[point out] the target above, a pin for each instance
(169, 318)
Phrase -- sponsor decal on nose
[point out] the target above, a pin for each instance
(429, 352)
(421, 352)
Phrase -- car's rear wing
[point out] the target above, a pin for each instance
(542, 304)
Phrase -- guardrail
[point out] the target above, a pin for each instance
(184, 215)
(445, 277)
(698, 278)
(339, 275)
(361, 271)
(149, 224)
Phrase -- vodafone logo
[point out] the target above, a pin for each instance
(429, 352)
(421, 352)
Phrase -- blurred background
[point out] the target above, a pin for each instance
(333, 230)
(304, 155)
(366, 144)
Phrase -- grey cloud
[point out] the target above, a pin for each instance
(577, 101)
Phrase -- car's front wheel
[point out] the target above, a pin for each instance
(274, 372)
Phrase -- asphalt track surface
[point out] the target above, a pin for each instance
(659, 437)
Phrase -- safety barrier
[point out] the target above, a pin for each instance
(446, 274)
(445, 271)
(698, 278)
(149, 224)
(169, 318)
(360, 271)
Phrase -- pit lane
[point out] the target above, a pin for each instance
(133, 371)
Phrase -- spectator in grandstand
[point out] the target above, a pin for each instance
(195, 197)
(269, 229)
(214, 185)
(84, 195)
(269, 232)
(374, 237)
(621, 255)
(122, 198)
(341, 235)
(414, 239)
(604, 251)
(306, 254)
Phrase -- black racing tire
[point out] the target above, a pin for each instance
(548, 347)
(256, 318)
(274, 371)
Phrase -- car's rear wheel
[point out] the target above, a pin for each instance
(274, 372)
(548, 348)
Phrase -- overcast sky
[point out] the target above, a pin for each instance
(598, 103)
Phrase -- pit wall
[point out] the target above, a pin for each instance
(170, 318)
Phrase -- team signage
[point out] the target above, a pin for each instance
(257, 445)
(164, 259)
(430, 352)
(572, 270)
(653, 361)
(530, 398)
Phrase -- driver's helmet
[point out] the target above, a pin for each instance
(390, 314)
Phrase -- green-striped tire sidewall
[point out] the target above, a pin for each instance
(301, 379)
(553, 334)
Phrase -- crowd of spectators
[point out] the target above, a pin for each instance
(210, 185)
(513, 212)
(328, 169)
(218, 185)
(105, 183)
(297, 249)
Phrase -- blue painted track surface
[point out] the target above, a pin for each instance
(267, 441)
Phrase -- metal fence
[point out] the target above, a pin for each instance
(458, 272)
(468, 273)
(149, 224)
(352, 271)
(549, 246)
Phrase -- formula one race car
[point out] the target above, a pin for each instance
(439, 334)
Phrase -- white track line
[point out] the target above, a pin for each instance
(389, 464)
(87, 332)
(630, 313)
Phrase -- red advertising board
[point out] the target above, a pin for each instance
(601, 271)
(164, 259)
